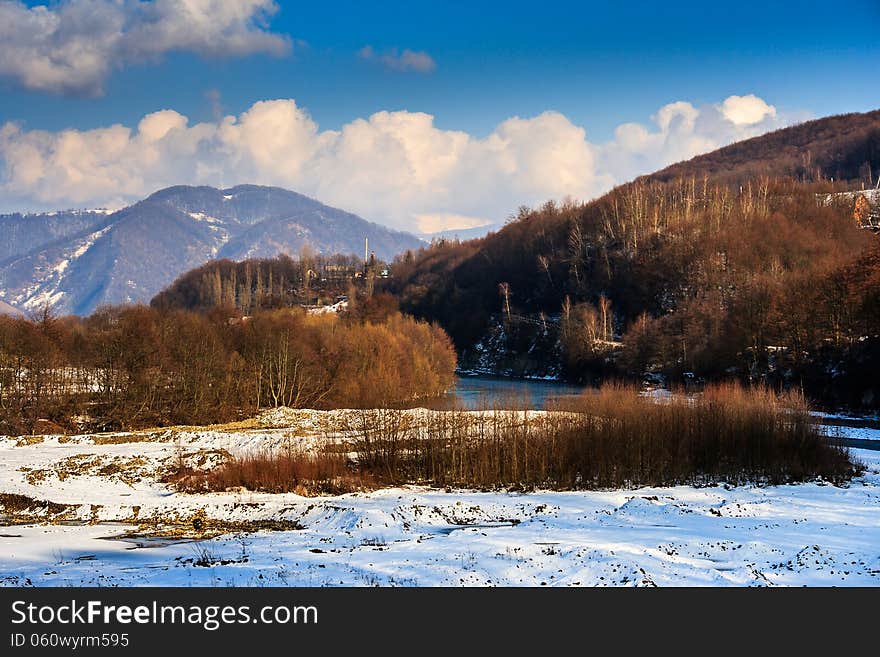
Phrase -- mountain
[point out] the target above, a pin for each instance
(736, 263)
(24, 233)
(76, 261)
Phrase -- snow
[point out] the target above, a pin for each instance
(77, 211)
(489, 371)
(46, 291)
(47, 298)
(872, 195)
(851, 433)
(125, 527)
(849, 426)
(846, 417)
(201, 216)
(332, 309)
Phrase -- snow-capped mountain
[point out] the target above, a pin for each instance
(78, 260)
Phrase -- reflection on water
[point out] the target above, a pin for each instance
(475, 392)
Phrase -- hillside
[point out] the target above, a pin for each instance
(78, 261)
(844, 147)
(25, 233)
(265, 283)
(686, 274)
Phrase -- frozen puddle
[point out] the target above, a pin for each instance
(143, 541)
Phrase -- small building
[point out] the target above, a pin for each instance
(866, 211)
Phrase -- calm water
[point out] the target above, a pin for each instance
(483, 391)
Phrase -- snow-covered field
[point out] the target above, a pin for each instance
(112, 522)
(850, 427)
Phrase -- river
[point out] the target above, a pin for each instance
(476, 392)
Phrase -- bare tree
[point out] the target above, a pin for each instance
(504, 290)
(605, 314)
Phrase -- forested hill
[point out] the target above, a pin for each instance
(844, 147)
(269, 283)
(740, 267)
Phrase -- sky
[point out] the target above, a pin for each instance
(423, 116)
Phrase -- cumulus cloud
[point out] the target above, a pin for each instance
(746, 110)
(396, 168)
(680, 131)
(71, 46)
(403, 62)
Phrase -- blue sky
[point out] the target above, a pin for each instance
(600, 63)
(597, 64)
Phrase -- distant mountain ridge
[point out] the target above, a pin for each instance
(461, 234)
(77, 260)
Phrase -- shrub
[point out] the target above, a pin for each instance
(611, 438)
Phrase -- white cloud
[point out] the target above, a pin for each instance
(397, 168)
(746, 110)
(682, 131)
(71, 46)
(404, 62)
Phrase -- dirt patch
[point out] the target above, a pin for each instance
(47, 427)
(124, 438)
(15, 506)
(184, 466)
(128, 470)
(34, 476)
(199, 527)
(24, 441)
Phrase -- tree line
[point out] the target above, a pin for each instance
(137, 366)
(270, 283)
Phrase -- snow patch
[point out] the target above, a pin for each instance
(332, 309)
(46, 292)
(201, 216)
